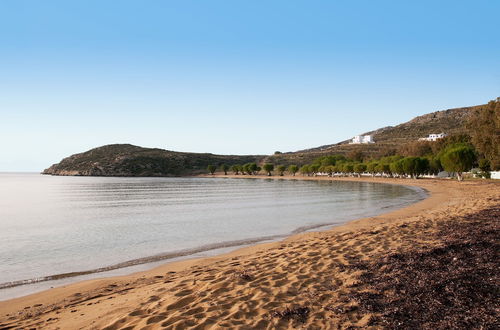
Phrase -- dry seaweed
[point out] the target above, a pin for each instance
(297, 313)
(244, 275)
(452, 286)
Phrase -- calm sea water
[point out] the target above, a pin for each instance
(52, 226)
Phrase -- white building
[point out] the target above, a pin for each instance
(495, 175)
(358, 139)
(433, 137)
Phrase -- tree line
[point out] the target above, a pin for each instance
(254, 169)
(455, 158)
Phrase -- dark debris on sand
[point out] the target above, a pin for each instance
(452, 286)
(297, 313)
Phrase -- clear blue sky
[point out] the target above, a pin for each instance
(232, 77)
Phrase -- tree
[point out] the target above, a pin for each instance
(249, 168)
(458, 159)
(329, 160)
(211, 169)
(397, 167)
(253, 168)
(236, 169)
(451, 140)
(422, 166)
(281, 169)
(484, 165)
(390, 159)
(384, 168)
(268, 168)
(484, 127)
(292, 169)
(371, 168)
(224, 168)
(348, 168)
(359, 168)
(314, 168)
(434, 165)
(304, 169)
(330, 170)
(415, 166)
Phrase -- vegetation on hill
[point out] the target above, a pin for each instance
(484, 128)
(451, 121)
(130, 160)
(389, 140)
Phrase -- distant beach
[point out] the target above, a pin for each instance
(310, 279)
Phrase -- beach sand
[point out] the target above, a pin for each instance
(348, 276)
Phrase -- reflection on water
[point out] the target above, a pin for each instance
(55, 225)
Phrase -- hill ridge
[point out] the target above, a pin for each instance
(454, 116)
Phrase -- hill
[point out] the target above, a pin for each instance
(130, 160)
(450, 121)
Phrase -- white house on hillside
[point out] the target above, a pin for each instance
(358, 139)
(433, 137)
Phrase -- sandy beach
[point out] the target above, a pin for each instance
(348, 276)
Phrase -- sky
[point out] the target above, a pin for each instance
(232, 77)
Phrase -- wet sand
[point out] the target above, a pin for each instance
(310, 280)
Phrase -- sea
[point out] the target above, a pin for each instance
(55, 230)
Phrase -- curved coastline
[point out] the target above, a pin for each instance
(187, 255)
(444, 198)
(190, 252)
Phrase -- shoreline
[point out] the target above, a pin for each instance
(440, 194)
(146, 263)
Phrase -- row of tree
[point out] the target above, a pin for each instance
(253, 169)
(456, 158)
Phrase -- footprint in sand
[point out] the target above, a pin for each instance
(154, 298)
(183, 293)
(138, 312)
(180, 303)
(156, 319)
